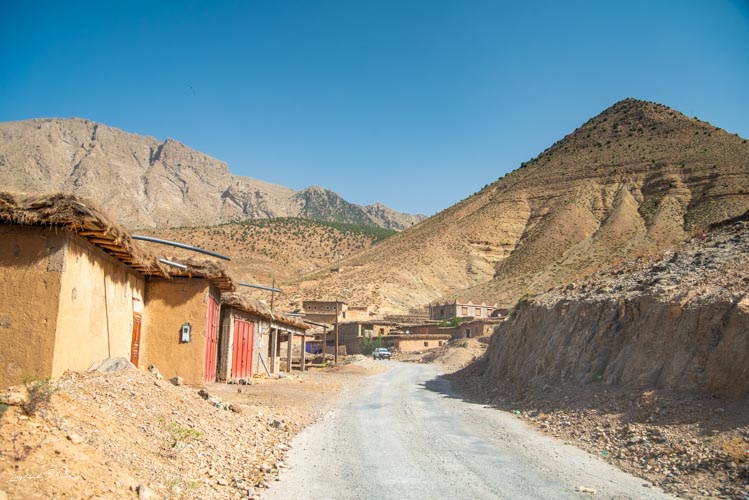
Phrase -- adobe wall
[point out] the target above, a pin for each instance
(168, 305)
(412, 345)
(31, 260)
(262, 340)
(95, 318)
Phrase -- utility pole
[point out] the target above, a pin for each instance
(272, 295)
(335, 355)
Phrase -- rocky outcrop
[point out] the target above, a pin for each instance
(679, 323)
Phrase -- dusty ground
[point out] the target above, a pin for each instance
(453, 356)
(694, 447)
(118, 435)
(689, 446)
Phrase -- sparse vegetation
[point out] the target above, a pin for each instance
(180, 434)
(452, 322)
(40, 393)
(369, 344)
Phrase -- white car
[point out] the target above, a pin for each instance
(381, 353)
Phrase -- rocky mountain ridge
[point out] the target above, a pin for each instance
(150, 183)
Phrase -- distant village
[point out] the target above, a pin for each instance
(78, 290)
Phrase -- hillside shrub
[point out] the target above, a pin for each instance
(452, 322)
(369, 344)
(40, 393)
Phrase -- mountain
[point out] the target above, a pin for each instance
(148, 183)
(631, 182)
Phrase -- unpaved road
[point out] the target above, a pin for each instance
(404, 434)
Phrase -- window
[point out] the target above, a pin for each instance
(442, 312)
(465, 311)
(426, 344)
(478, 311)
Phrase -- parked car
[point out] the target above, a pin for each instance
(381, 353)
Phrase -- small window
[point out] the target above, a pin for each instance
(478, 311)
(465, 311)
(426, 344)
(382, 331)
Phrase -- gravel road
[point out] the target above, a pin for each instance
(404, 434)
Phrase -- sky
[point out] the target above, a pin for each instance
(415, 104)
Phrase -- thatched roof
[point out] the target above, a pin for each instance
(72, 213)
(259, 308)
(83, 218)
(212, 270)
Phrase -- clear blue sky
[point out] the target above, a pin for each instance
(416, 104)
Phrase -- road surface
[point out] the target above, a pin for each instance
(404, 434)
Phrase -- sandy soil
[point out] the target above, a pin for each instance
(125, 434)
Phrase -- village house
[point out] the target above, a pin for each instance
(465, 330)
(324, 311)
(181, 321)
(352, 334)
(450, 310)
(72, 287)
(251, 337)
(414, 342)
(78, 289)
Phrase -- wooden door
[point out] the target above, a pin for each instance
(135, 344)
(244, 338)
(211, 342)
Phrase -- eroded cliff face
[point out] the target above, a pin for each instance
(638, 342)
(679, 323)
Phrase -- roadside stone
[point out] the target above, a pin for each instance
(145, 493)
(156, 372)
(177, 381)
(12, 397)
(74, 438)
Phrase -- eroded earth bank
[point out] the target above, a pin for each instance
(645, 364)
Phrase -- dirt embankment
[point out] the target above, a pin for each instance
(129, 434)
(679, 323)
(646, 364)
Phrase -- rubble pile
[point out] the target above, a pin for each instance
(709, 267)
(132, 431)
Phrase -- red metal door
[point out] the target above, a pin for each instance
(244, 337)
(211, 341)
